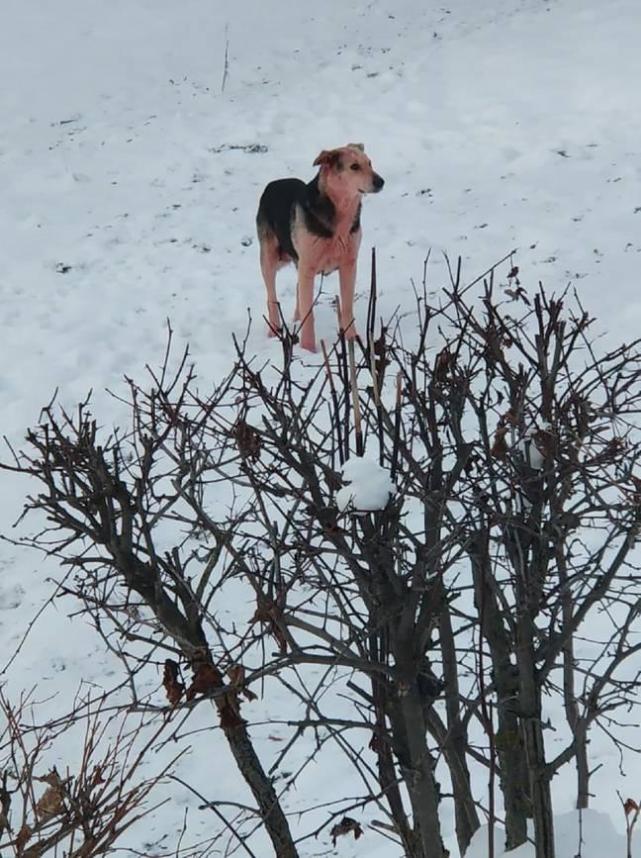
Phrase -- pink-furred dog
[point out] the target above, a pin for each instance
(317, 226)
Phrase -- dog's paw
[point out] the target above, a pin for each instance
(308, 344)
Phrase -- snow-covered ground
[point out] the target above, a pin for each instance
(128, 187)
(590, 836)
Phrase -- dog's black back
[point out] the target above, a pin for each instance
(276, 210)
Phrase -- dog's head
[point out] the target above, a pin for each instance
(348, 170)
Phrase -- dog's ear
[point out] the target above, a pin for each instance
(327, 158)
(358, 146)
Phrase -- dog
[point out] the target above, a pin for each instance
(316, 226)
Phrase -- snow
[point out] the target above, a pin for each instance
(129, 185)
(589, 835)
(529, 449)
(368, 486)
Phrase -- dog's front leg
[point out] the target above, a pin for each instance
(297, 309)
(347, 279)
(305, 306)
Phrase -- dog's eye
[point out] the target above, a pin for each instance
(355, 167)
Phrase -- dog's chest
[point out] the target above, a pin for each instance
(325, 255)
(334, 252)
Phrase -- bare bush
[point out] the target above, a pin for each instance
(445, 612)
(86, 808)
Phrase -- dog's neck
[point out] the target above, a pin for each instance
(343, 209)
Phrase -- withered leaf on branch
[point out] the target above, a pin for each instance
(375, 743)
(545, 442)
(207, 679)
(610, 452)
(347, 825)
(97, 777)
(174, 689)
(444, 360)
(236, 675)
(269, 614)
(381, 361)
(247, 439)
(499, 444)
(51, 803)
(635, 493)
(23, 837)
(518, 293)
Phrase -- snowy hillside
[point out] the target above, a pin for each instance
(135, 138)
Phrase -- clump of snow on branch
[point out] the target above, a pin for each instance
(532, 445)
(368, 486)
(530, 451)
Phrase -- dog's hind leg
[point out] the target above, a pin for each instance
(269, 265)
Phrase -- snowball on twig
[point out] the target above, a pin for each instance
(368, 486)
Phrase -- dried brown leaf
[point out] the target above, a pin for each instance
(444, 360)
(174, 689)
(499, 444)
(247, 440)
(206, 680)
(375, 743)
(347, 825)
(51, 803)
(23, 837)
(97, 776)
(269, 613)
(236, 675)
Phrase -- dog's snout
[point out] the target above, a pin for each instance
(378, 182)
